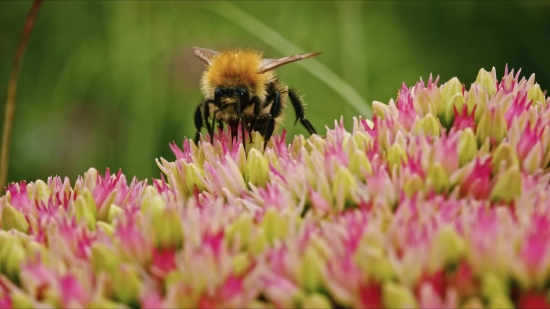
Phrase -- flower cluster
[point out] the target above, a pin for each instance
(441, 201)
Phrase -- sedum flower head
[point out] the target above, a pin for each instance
(440, 201)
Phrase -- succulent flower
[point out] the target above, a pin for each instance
(440, 201)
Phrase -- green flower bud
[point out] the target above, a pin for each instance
(448, 248)
(323, 187)
(533, 160)
(194, 177)
(298, 298)
(104, 258)
(152, 202)
(240, 262)
(89, 202)
(240, 159)
(273, 225)
(320, 245)
(12, 254)
(535, 94)
(272, 159)
(257, 142)
(488, 81)
(427, 99)
(316, 142)
(258, 244)
(493, 285)
(297, 145)
(316, 300)
(501, 301)
(4, 238)
(429, 125)
(114, 212)
(456, 101)
(167, 228)
(477, 97)
(397, 296)
(42, 191)
(240, 229)
(396, 156)
(90, 179)
(359, 164)
(257, 168)
(363, 141)
(413, 184)
(173, 277)
(492, 124)
(380, 109)
(450, 89)
(82, 212)
(126, 285)
(20, 300)
(508, 186)
(504, 154)
(378, 265)
(310, 275)
(105, 227)
(205, 148)
(36, 251)
(344, 183)
(438, 178)
(13, 219)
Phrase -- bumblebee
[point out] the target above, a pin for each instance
(241, 88)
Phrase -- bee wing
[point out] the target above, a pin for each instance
(205, 54)
(270, 64)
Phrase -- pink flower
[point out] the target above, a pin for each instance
(163, 262)
(131, 242)
(532, 300)
(463, 120)
(536, 245)
(370, 296)
(405, 107)
(72, 293)
(151, 300)
(478, 183)
(19, 197)
(232, 288)
(531, 135)
(445, 152)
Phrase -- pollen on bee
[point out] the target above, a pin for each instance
(235, 67)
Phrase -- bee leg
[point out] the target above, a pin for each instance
(209, 127)
(243, 123)
(274, 112)
(234, 127)
(298, 105)
(256, 102)
(269, 130)
(242, 130)
(212, 127)
(198, 123)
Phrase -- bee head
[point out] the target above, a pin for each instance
(231, 95)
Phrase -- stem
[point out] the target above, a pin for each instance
(12, 90)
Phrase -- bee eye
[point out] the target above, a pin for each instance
(241, 91)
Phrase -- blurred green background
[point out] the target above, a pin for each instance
(111, 83)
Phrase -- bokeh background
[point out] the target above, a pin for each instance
(112, 83)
